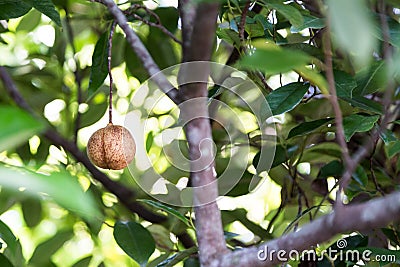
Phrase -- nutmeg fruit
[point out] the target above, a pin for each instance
(111, 147)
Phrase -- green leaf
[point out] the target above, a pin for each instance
(149, 141)
(243, 185)
(360, 176)
(83, 262)
(394, 30)
(229, 216)
(254, 28)
(392, 234)
(314, 78)
(289, 12)
(162, 47)
(178, 257)
(4, 262)
(133, 63)
(32, 211)
(344, 84)
(7, 235)
(286, 97)
(163, 237)
(305, 48)
(262, 160)
(307, 127)
(99, 69)
(352, 28)
(309, 22)
(392, 149)
(169, 17)
(167, 209)
(229, 36)
(47, 7)
(61, 186)
(346, 89)
(135, 240)
(20, 127)
(358, 123)
(298, 218)
(45, 250)
(387, 136)
(15, 257)
(365, 103)
(371, 79)
(282, 154)
(94, 114)
(323, 152)
(273, 59)
(333, 168)
(13, 9)
(191, 262)
(30, 21)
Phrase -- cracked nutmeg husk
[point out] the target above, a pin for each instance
(111, 147)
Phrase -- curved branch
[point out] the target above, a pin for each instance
(358, 217)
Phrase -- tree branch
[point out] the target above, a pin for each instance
(158, 24)
(142, 53)
(203, 35)
(359, 217)
(12, 90)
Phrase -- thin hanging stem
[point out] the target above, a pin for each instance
(109, 71)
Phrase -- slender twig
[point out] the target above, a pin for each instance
(110, 108)
(279, 210)
(264, 82)
(157, 25)
(371, 169)
(348, 162)
(242, 23)
(363, 151)
(142, 53)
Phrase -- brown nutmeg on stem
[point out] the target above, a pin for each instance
(111, 147)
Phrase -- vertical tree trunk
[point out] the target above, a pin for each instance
(197, 127)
